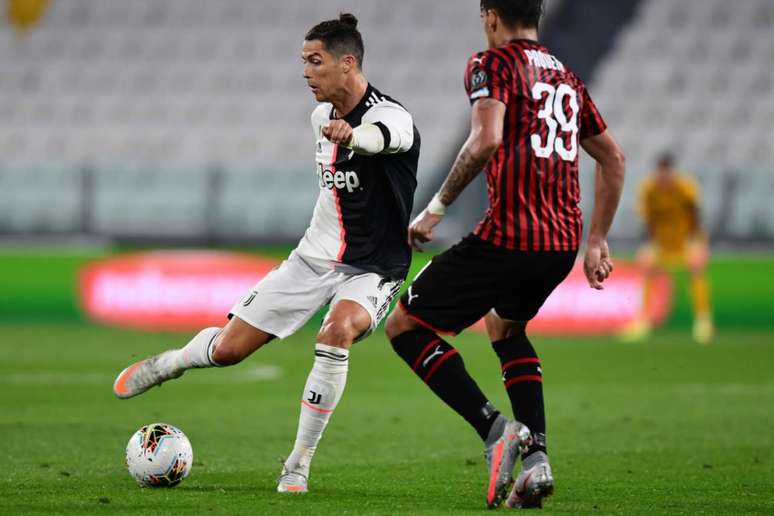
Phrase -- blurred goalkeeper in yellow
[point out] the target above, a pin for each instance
(669, 205)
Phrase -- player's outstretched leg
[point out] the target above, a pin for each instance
(155, 370)
(211, 347)
(440, 366)
(324, 387)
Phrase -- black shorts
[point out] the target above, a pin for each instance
(462, 284)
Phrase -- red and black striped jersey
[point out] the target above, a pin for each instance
(532, 179)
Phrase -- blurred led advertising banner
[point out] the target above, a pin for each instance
(168, 290)
(189, 290)
(574, 308)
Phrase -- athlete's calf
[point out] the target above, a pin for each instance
(440, 366)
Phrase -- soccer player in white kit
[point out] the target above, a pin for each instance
(353, 257)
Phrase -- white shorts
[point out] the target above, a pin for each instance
(286, 298)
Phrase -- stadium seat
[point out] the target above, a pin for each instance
(695, 77)
(199, 82)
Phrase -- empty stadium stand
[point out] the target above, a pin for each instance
(190, 118)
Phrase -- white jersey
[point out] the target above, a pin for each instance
(362, 214)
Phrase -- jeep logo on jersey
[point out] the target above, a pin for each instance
(339, 180)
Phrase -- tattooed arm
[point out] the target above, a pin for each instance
(486, 133)
(465, 168)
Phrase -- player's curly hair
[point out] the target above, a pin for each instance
(340, 37)
(515, 12)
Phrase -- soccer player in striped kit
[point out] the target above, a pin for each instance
(530, 116)
(353, 257)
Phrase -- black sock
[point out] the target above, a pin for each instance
(523, 380)
(440, 366)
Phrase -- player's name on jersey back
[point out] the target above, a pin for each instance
(543, 60)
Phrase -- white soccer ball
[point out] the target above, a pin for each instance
(159, 455)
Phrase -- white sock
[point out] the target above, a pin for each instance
(322, 393)
(197, 353)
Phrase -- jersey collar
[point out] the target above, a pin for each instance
(525, 40)
(354, 116)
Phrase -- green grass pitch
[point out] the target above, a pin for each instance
(664, 427)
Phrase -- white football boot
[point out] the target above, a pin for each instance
(293, 481)
(142, 375)
(534, 483)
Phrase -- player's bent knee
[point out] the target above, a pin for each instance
(398, 322)
(499, 329)
(517, 328)
(392, 325)
(340, 333)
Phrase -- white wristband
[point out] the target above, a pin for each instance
(436, 207)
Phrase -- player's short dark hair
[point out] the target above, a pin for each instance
(666, 159)
(516, 12)
(340, 37)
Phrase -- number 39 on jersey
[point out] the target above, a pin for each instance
(562, 129)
